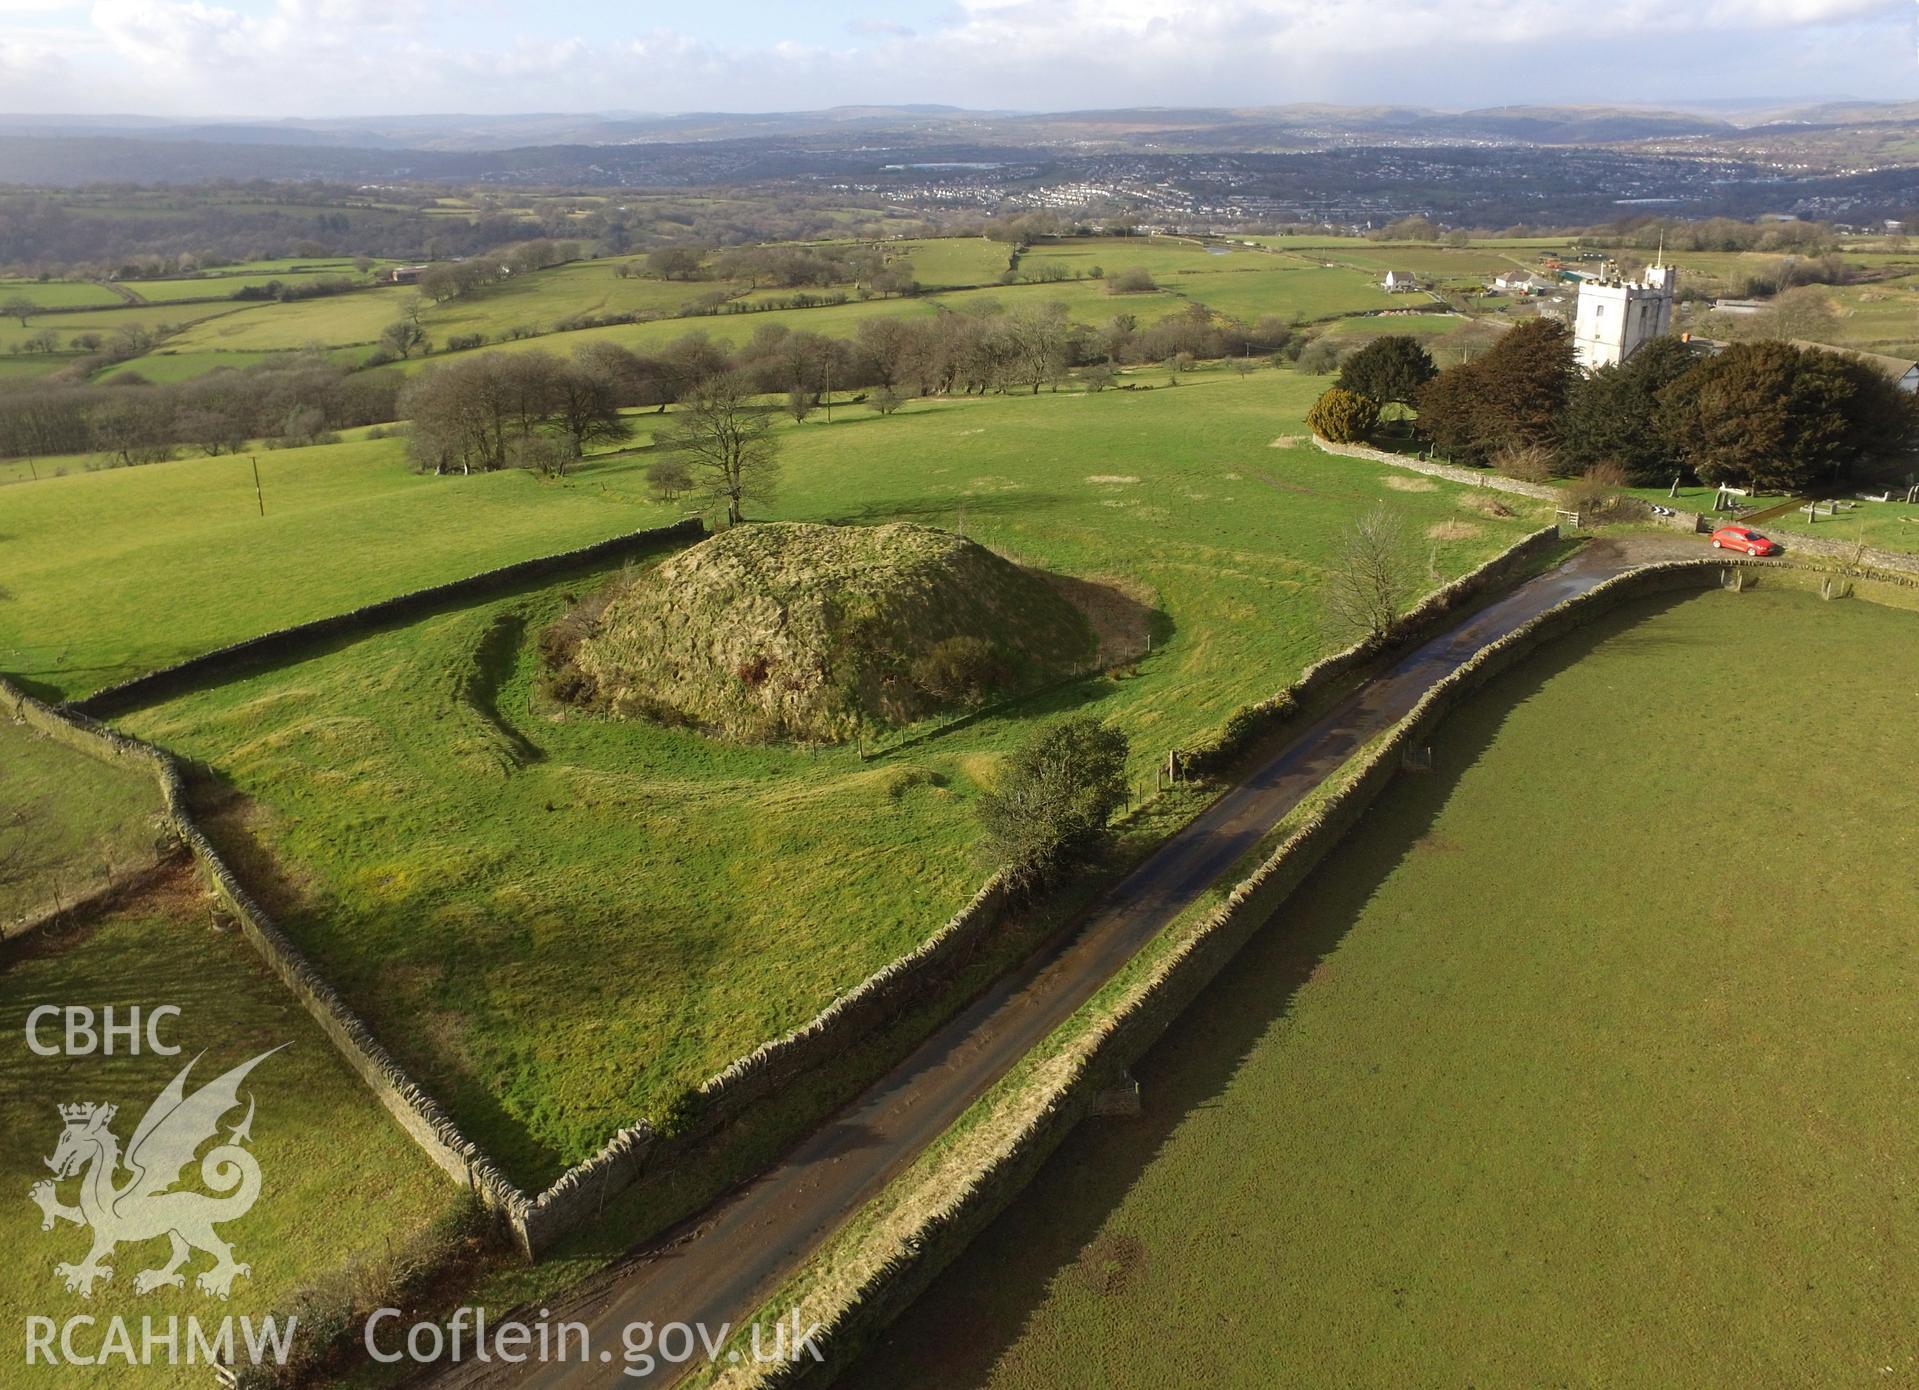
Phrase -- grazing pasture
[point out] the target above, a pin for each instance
(27, 366)
(115, 572)
(104, 323)
(67, 822)
(1159, 255)
(1588, 1054)
(225, 286)
(164, 364)
(58, 294)
(1438, 262)
(539, 300)
(396, 779)
(953, 262)
(324, 1144)
(332, 321)
(1300, 295)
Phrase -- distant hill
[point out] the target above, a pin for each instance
(1207, 127)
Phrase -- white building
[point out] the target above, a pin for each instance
(1615, 316)
(1398, 282)
(1521, 282)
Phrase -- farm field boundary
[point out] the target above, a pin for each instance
(419, 1116)
(856, 1291)
(1852, 555)
(1685, 519)
(1470, 477)
(223, 662)
(579, 1194)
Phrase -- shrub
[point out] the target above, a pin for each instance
(960, 670)
(1529, 463)
(668, 479)
(1055, 797)
(1319, 356)
(1597, 493)
(1138, 280)
(1344, 417)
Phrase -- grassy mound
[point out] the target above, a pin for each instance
(810, 632)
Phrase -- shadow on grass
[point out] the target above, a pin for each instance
(943, 510)
(571, 581)
(978, 1308)
(494, 661)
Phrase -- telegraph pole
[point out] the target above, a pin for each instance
(258, 496)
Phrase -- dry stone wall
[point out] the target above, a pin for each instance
(1115, 1038)
(300, 639)
(1470, 477)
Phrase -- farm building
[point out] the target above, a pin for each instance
(1900, 371)
(1522, 282)
(1399, 282)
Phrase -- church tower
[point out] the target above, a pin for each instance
(1615, 316)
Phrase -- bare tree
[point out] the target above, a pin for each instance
(403, 337)
(729, 444)
(19, 307)
(1372, 578)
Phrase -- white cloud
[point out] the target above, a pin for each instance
(314, 56)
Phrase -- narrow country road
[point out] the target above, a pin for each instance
(719, 1267)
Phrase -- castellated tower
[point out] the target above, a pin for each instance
(1616, 315)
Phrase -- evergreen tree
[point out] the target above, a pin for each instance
(1512, 396)
(1612, 413)
(1388, 371)
(1780, 418)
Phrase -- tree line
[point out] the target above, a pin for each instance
(498, 409)
(1767, 414)
(290, 403)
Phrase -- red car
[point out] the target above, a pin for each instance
(1744, 538)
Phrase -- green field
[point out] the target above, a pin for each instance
(27, 366)
(333, 321)
(105, 322)
(1439, 262)
(1160, 255)
(1299, 295)
(323, 1142)
(399, 776)
(57, 294)
(948, 262)
(1413, 325)
(72, 821)
(541, 299)
(164, 364)
(1586, 1061)
(116, 572)
(225, 286)
(528, 310)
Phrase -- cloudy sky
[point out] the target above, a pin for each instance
(266, 58)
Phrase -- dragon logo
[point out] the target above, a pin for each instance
(144, 1206)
